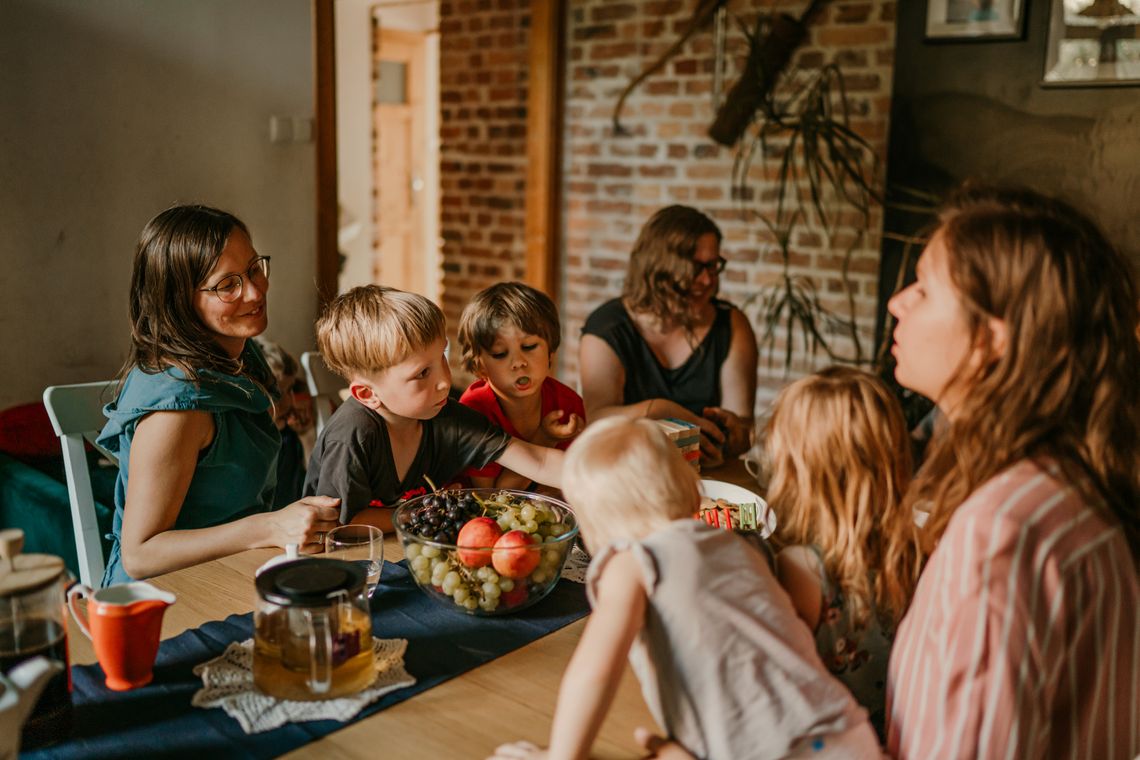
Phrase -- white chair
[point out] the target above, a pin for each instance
(324, 386)
(76, 413)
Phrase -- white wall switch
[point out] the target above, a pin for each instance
(280, 129)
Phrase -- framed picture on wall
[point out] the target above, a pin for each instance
(974, 19)
(1093, 42)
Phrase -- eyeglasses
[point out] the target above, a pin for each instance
(716, 266)
(230, 288)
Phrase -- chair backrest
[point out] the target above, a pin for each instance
(324, 386)
(76, 413)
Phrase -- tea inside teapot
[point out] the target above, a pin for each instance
(312, 631)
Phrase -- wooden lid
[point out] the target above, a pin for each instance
(21, 573)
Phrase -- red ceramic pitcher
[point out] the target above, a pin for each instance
(124, 622)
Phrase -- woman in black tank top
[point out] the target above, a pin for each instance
(669, 347)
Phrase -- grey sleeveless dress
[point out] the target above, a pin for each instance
(725, 665)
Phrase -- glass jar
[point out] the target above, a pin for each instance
(33, 623)
(312, 631)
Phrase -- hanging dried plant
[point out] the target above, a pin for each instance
(808, 132)
(818, 165)
(770, 49)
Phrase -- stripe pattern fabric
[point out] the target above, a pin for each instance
(1023, 638)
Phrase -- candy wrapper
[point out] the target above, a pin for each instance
(686, 437)
(742, 519)
(722, 514)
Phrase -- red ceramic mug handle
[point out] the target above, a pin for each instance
(73, 594)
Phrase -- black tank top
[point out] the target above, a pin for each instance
(694, 385)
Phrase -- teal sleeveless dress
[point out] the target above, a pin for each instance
(236, 474)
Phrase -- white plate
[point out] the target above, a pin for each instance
(734, 494)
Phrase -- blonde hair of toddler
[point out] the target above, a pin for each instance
(625, 479)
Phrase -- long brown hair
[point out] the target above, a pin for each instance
(839, 465)
(661, 268)
(1065, 387)
(175, 253)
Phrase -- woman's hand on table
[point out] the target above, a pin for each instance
(518, 751)
(712, 442)
(304, 523)
(738, 432)
(712, 437)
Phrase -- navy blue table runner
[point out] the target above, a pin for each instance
(157, 719)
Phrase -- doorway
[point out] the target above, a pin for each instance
(387, 57)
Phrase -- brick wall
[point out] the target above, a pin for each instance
(611, 185)
(483, 92)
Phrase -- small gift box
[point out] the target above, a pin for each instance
(686, 437)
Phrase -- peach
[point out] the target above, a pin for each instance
(477, 533)
(515, 555)
(515, 596)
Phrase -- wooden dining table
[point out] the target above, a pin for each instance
(511, 697)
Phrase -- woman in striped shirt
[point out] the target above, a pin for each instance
(1022, 639)
(1023, 636)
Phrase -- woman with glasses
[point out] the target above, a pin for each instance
(192, 425)
(669, 347)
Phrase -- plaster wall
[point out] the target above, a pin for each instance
(114, 111)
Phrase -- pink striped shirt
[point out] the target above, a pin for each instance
(1023, 639)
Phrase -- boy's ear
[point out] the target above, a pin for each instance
(364, 394)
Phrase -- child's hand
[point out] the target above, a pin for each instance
(658, 747)
(300, 417)
(518, 751)
(557, 431)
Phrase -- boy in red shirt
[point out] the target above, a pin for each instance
(509, 333)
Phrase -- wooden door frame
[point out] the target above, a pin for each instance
(414, 46)
(324, 99)
(543, 145)
(544, 117)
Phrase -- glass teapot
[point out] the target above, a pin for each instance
(33, 624)
(312, 631)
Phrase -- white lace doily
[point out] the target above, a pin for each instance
(576, 565)
(227, 682)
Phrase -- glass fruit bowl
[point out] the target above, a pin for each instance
(485, 551)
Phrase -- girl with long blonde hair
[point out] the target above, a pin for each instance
(839, 464)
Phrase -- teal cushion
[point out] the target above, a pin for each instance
(36, 501)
